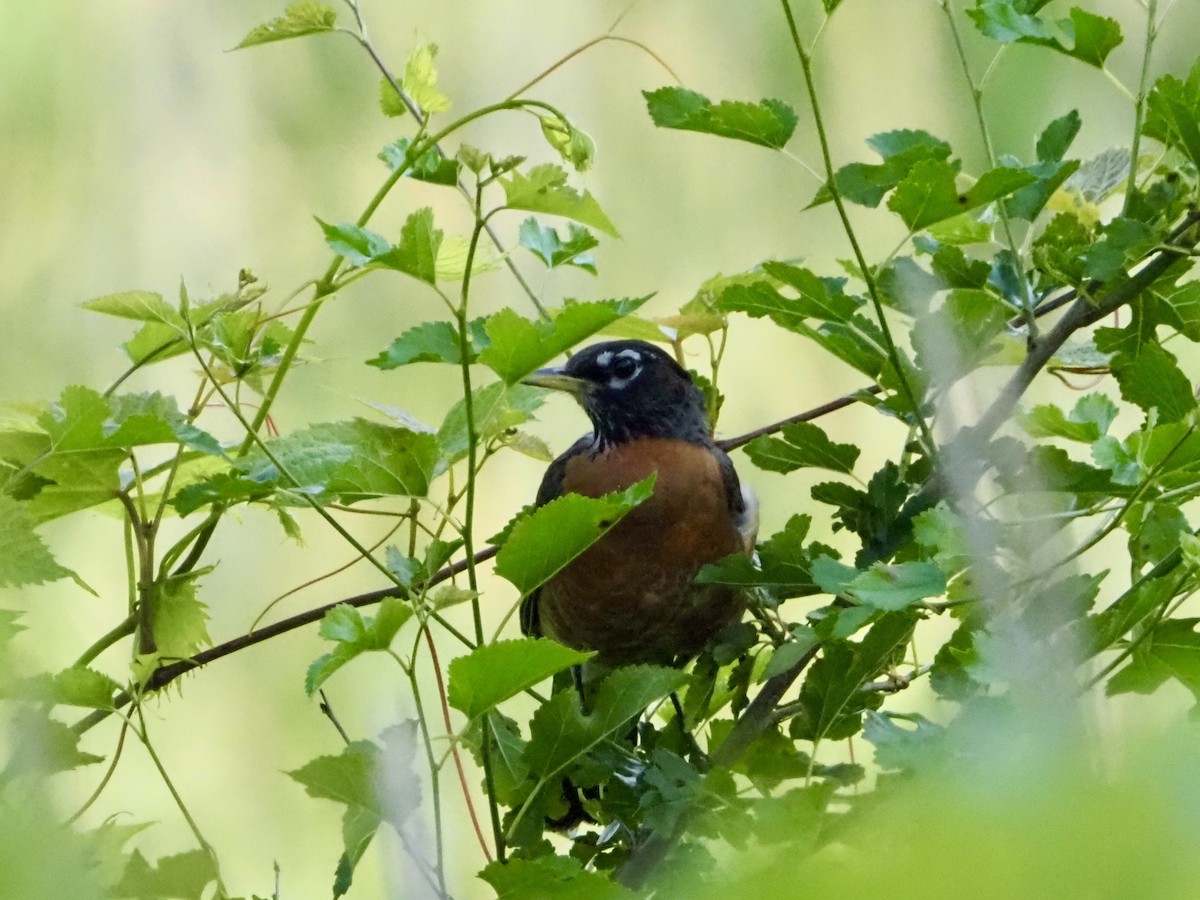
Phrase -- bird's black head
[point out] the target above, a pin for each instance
(631, 389)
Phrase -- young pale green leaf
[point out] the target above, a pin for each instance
(493, 673)
(180, 618)
(575, 146)
(417, 252)
(355, 635)
(560, 732)
(561, 877)
(42, 745)
(801, 445)
(497, 408)
(420, 80)
(430, 342)
(769, 123)
(181, 875)
(541, 543)
(867, 183)
(545, 190)
(24, 558)
(547, 246)
(140, 419)
(1173, 113)
(348, 778)
(928, 194)
(520, 345)
(297, 20)
(430, 166)
(1152, 379)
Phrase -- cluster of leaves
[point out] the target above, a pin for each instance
(952, 528)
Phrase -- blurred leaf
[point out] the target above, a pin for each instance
(1173, 113)
(520, 345)
(560, 877)
(298, 19)
(142, 306)
(493, 673)
(801, 445)
(546, 245)
(419, 82)
(43, 746)
(182, 875)
(1088, 421)
(575, 146)
(24, 558)
(560, 733)
(140, 419)
(769, 123)
(347, 778)
(542, 543)
(545, 190)
(76, 686)
(907, 749)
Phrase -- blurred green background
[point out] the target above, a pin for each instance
(136, 153)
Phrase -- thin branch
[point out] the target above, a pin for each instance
(807, 416)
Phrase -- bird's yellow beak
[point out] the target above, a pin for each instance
(555, 379)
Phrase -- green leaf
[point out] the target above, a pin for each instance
(430, 166)
(348, 778)
(1056, 140)
(1173, 113)
(1181, 310)
(801, 445)
(1088, 421)
(427, 342)
(560, 733)
(896, 586)
(141, 419)
(357, 244)
(24, 558)
(769, 123)
(560, 877)
(543, 542)
(497, 407)
(929, 194)
(43, 746)
(355, 635)
(907, 749)
(1170, 650)
(354, 460)
(831, 697)
(142, 306)
(545, 190)
(520, 345)
(76, 686)
(1125, 241)
(181, 875)
(493, 673)
(297, 20)
(574, 145)
(547, 246)
(1084, 36)
(867, 184)
(420, 80)
(1152, 379)
(417, 252)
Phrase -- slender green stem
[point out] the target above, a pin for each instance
(1027, 303)
(108, 774)
(893, 353)
(122, 630)
(1139, 104)
(468, 529)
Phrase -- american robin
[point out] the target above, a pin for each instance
(631, 596)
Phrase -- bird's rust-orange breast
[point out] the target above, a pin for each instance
(631, 595)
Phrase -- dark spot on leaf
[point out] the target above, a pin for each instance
(962, 199)
(604, 523)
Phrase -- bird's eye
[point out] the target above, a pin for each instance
(624, 368)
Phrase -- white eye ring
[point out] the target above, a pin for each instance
(625, 368)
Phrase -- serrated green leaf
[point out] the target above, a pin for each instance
(1088, 421)
(76, 686)
(867, 184)
(1124, 242)
(1181, 310)
(297, 20)
(896, 586)
(1084, 36)
(42, 746)
(420, 80)
(181, 875)
(547, 246)
(493, 673)
(560, 877)
(560, 733)
(355, 635)
(541, 543)
(928, 194)
(520, 345)
(1173, 113)
(1170, 650)
(430, 166)
(142, 306)
(769, 123)
(801, 445)
(24, 558)
(497, 408)
(347, 778)
(1152, 379)
(417, 252)
(545, 190)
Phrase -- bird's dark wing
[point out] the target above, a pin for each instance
(743, 505)
(551, 488)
